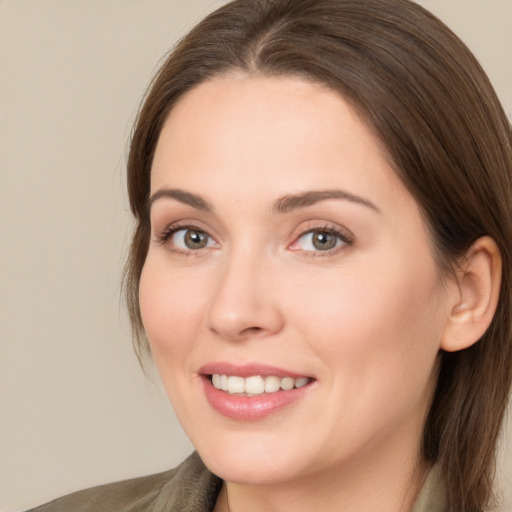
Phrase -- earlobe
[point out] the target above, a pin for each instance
(478, 288)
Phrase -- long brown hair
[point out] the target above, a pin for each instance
(434, 110)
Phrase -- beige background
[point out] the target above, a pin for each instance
(75, 409)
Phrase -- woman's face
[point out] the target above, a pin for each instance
(284, 253)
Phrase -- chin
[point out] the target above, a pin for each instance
(255, 458)
(261, 470)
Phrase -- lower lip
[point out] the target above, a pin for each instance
(250, 408)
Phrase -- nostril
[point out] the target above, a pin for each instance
(248, 332)
(251, 330)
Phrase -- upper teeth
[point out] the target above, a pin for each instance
(256, 385)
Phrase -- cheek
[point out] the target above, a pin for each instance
(170, 306)
(379, 328)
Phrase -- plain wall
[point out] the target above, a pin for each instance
(75, 408)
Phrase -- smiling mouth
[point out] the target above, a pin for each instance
(256, 385)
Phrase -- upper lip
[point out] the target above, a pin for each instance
(247, 370)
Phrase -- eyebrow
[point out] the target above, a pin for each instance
(282, 205)
(182, 196)
(292, 202)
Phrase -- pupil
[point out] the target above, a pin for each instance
(324, 241)
(195, 239)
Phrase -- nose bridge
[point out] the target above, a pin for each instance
(242, 304)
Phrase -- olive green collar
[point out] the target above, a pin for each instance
(432, 497)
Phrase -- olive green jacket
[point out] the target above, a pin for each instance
(190, 487)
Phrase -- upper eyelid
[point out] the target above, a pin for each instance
(184, 224)
(330, 227)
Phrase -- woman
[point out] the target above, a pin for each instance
(321, 262)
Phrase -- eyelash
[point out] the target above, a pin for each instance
(171, 230)
(347, 239)
(344, 236)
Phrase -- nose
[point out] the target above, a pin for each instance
(244, 304)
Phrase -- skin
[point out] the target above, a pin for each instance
(365, 319)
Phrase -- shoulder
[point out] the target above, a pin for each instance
(189, 487)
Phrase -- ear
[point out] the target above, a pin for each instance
(475, 300)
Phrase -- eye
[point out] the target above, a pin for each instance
(320, 240)
(190, 239)
(184, 239)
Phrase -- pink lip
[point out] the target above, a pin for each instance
(247, 408)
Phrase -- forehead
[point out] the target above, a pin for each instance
(239, 106)
(281, 134)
